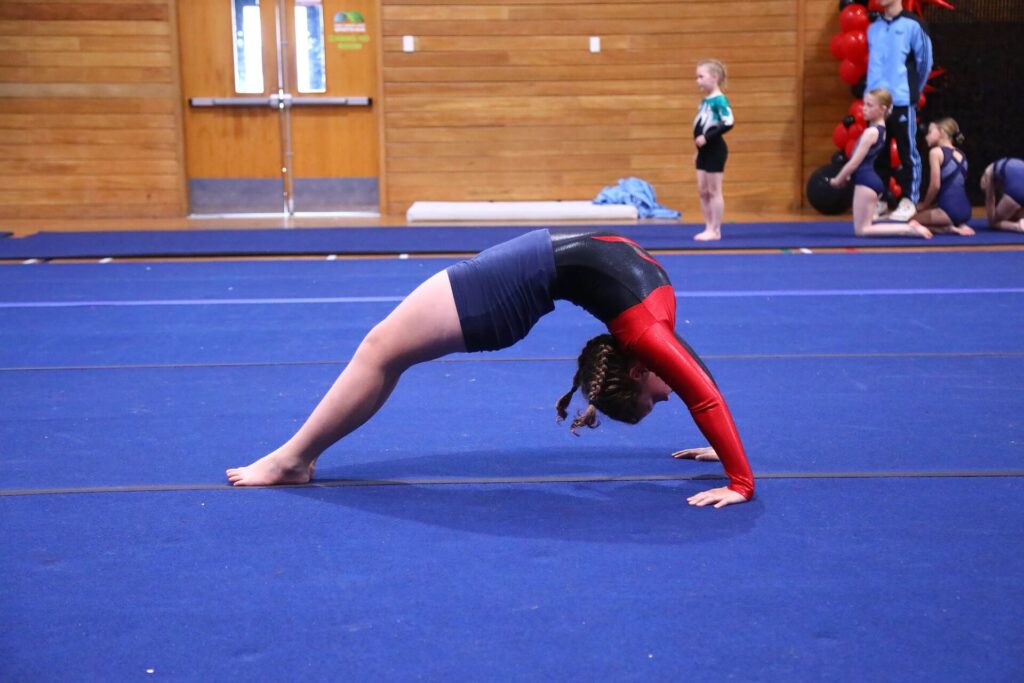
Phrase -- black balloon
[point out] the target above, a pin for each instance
(825, 198)
(838, 159)
(857, 91)
(848, 121)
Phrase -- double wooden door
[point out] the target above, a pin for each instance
(279, 105)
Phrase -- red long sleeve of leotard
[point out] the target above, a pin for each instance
(646, 331)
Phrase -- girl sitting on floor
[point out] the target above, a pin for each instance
(945, 208)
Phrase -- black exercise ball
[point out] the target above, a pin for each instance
(825, 198)
(839, 160)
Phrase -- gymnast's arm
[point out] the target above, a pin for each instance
(988, 184)
(934, 179)
(663, 354)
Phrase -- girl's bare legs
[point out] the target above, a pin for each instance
(1009, 215)
(423, 327)
(937, 220)
(712, 203)
(864, 202)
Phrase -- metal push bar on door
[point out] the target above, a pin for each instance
(275, 101)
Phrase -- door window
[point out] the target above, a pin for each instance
(248, 43)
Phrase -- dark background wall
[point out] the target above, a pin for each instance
(981, 46)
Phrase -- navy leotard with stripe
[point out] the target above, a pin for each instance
(503, 291)
(865, 174)
(952, 194)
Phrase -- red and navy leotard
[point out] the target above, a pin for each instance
(504, 290)
(624, 287)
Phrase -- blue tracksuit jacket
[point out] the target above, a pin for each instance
(899, 57)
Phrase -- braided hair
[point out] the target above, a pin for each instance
(602, 375)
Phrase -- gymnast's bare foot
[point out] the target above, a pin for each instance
(272, 469)
(707, 236)
(963, 230)
(920, 230)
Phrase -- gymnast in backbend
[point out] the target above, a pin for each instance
(490, 302)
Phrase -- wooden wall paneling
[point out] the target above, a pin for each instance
(826, 97)
(503, 100)
(89, 125)
(500, 100)
(798, 133)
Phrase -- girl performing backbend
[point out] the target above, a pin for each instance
(490, 302)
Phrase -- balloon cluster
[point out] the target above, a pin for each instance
(850, 45)
(850, 48)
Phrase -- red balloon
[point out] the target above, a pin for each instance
(855, 131)
(851, 72)
(840, 135)
(836, 46)
(875, 6)
(894, 155)
(895, 189)
(854, 17)
(855, 45)
(857, 111)
(851, 145)
(921, 100)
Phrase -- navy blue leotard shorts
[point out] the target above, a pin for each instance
(503, 291)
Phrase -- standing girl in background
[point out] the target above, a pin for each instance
(945, 208)
(867, 183)
(1005, 177)
(714, 118)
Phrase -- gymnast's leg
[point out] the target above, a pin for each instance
(423, 327)
(864, 202)
(938, 220)
(1008, 215)
(712, 203)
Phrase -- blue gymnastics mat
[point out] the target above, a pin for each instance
(816, 580)
(448, 239)
(464, 535)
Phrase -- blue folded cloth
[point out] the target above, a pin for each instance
(637, 192)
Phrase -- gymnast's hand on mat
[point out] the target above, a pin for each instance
(720, 497)
(705, 454)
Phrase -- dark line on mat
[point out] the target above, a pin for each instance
(554, 479)
(522, 359)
